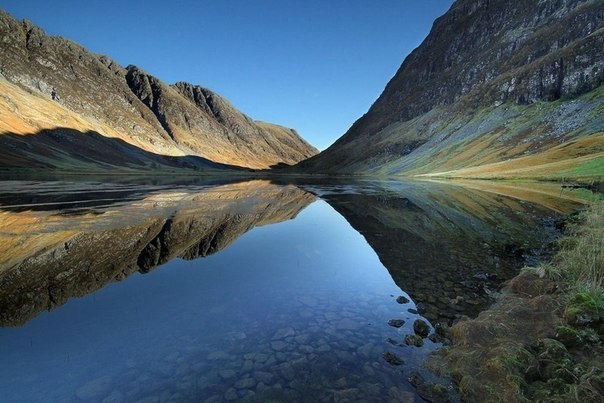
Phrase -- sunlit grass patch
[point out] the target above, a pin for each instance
(590, 168)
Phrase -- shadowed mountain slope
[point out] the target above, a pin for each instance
(50, 82)
(90, 151)
(498, 88)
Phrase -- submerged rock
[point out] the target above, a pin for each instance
(396, 322)
(95, 389)
(414, 340)
(284, 332)
(392, 341)
(392, 359)
(114, 397)
(421, 328)
(429, 391)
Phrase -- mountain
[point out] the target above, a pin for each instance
(497, 89)
(65, 108)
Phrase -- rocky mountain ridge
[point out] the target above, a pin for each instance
(50, 82)
(461, 99)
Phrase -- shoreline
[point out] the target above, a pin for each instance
(542, 340)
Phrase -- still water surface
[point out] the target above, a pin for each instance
(246, 291)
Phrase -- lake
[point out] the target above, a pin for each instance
(312, 290)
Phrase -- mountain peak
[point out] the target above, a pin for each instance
(51, 82)
(479, 56)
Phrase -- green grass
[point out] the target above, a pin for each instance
(582, 252)
(580, 261)
(592, 168)
(548, 270)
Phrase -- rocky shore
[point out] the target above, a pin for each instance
(541, 341)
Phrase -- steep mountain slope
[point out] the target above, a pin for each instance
(52, 86)
(496, 87)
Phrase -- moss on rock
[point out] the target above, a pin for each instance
(582, 309)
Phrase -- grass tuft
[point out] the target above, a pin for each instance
(550, 271)
(582, 253)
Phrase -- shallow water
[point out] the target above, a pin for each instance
(250, 291)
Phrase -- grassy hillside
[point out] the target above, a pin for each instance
(545, 140)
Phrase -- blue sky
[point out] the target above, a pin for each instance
(313, 65)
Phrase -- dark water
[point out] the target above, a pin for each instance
(250, 291)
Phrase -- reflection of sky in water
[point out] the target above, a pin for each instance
(287, 308)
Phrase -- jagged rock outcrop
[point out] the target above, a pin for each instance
(51, 82)
(488, 62)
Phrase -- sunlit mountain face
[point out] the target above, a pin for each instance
(66, 109)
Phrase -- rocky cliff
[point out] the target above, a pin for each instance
(54, 88)
(497, 88)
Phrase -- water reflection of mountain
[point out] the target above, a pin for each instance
(48, 255)
(451, 246)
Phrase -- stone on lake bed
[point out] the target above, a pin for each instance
(278, 345)
(414, 340)
(306, 349)
(114, 397)
(226, 373)
(401, 299)
(245, 383)
(261, 357)
(302, 339)
(287, 371)
(95, 389)
(247, 366)
(264, 377)
(391, 358)
(218, 355)
(346, 395)
(348, 324)
(323, 348)
(284, 332)
(429, 391)
(365, 350)
(309, 301)
(392, 341)
(231, 395)
(396, 322)
(421, 328)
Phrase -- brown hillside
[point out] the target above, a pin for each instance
(50, 82)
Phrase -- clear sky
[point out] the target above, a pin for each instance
(313, 65)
